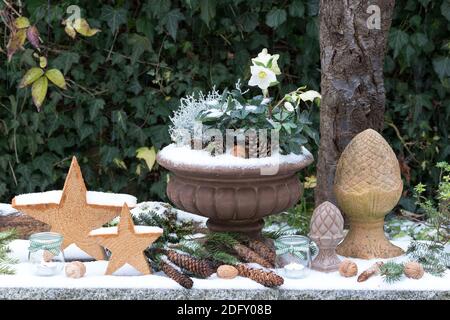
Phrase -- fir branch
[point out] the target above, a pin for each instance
(431, 255)
(5, 262)
(392, 271)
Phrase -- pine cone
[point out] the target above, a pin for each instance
(199, 267)
(263, 250)
(175, 275)
(256, 148)
(249, 255)
(266, 278)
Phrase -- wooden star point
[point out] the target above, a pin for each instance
(73, 217)
(127, 243)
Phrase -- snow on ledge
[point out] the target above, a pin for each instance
(92, 197)
(126, 278)
(185, 156)
(137, 229)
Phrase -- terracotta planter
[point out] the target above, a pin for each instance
(233, 198)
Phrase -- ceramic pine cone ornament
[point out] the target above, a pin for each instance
(327, 225)
(367, 186)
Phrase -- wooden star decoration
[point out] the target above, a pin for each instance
(73, 217)
(127, 243)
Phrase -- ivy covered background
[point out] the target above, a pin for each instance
(125, 82)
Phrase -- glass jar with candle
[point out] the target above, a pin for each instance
(294, 255)
(45, 255)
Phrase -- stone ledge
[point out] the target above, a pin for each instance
(34, 293)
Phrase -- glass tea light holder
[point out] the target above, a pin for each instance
(45, 254)
(294, 255)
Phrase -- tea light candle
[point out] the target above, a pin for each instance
(294, 270)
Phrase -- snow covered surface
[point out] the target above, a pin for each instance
(184, 155)
(95, 278)
(161, 208)
(92, 197)
(137, 229)
(6, 209)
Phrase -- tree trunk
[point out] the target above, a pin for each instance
(353, 39)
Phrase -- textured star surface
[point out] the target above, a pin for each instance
(73, 217)
(126, 244)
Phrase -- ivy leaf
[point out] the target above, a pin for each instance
(249, 21)
(441, 66)
(148, 155)
(39, 91)
(397, 40)
(276, 17)
(114, 17)
(57, 78)
(297, 9)
(207, 10)
(445, 9)
(139, 44)
(65, 61)
(172, 19)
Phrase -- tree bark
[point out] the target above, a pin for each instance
(353, 96)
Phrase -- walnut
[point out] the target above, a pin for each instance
(348, 268)
(75, 269)
(227, 272)
(413, 270)
(47, 256)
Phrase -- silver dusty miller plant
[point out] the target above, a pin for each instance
(184, 119)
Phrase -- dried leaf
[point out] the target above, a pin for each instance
(33, 36)
(70, 31)
(31, 76)
(43, 62)
(56, 77)
(21, 23)
(16, 42)
(83, 28)
(39, 91)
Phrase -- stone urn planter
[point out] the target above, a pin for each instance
(232, 192)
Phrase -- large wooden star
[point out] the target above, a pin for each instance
(127, 243)
(73, 217)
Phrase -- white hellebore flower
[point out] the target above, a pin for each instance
(309, 95)
(263, 58)
(288, 106)
(262, 77)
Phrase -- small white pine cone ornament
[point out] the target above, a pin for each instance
(413, 270)
(75, 269)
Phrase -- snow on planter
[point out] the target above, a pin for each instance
(92, 197)
(185, 156)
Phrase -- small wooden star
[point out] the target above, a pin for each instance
(73, 217)
(127, 243)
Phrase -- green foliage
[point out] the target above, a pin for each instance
(438, 216)
(5, 261)
(173, 230)
(431, 255)
(391, 271)
(125, 82)
(417, 82)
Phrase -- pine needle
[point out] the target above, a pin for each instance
(5, 262)
(392, 271)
